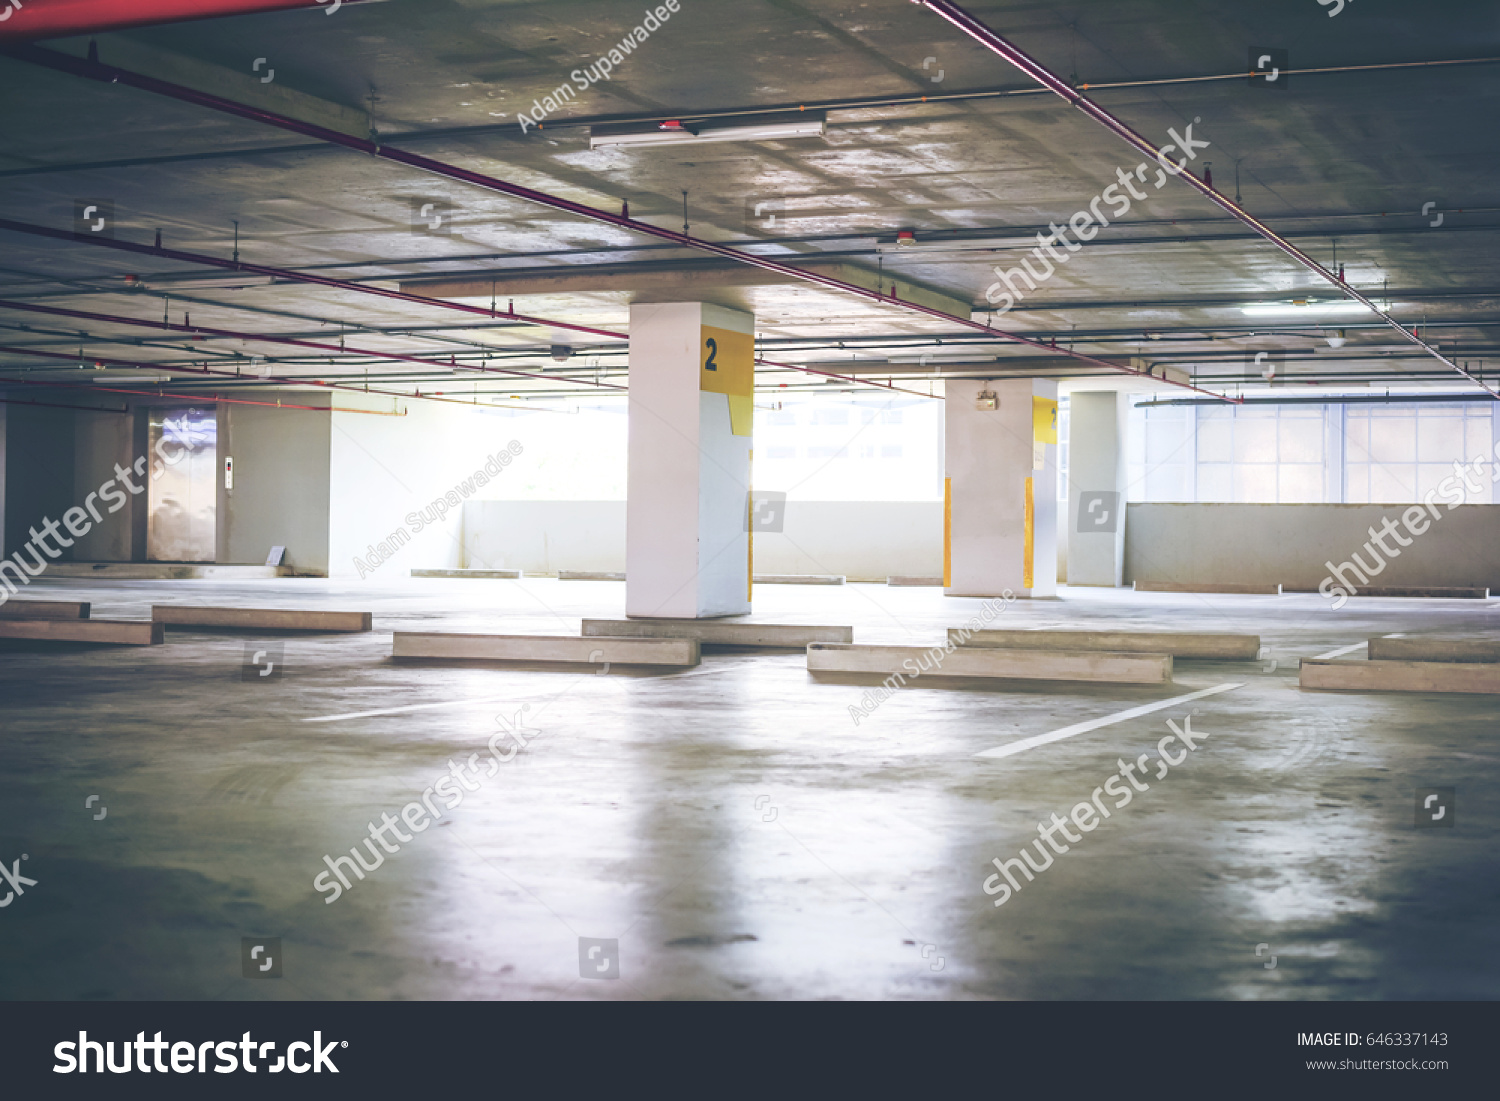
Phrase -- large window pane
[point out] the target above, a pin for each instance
(1214, 482)
(1477, 441)
(1254, 441)
(1301, 440)
(1300, 483)
(1255, 483)
(1392, 484)
(1440, 439)
(1216, 441)
(1393, 440)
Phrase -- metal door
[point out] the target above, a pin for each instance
(184, 485)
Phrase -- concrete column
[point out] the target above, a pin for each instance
(1001, 498)
(1096, 487)
(692, 376)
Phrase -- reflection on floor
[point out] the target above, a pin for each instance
(729, 832)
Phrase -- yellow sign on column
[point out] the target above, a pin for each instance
(727, 366)
(1043, 429)
(1044, 420)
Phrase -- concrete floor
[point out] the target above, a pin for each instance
(730, 826)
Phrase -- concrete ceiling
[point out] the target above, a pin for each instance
(1342, 162)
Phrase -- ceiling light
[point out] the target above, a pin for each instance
(1281, 309)
(908, 241)
(1338, 340)
(227, 281)
(767, 127)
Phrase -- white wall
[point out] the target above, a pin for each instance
(860, 539)
(384, 469)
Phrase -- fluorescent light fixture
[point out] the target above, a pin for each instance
(951, 244)
(1282, 309)
(689, 131)
(226, 281)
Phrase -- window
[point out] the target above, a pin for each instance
(1357, 453)
(1396, 454)
(799, 452)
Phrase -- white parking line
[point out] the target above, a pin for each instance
(1341, 651)
(407, 709)
(1109, 720)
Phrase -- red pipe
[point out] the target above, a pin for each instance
(292, 276)
(188, 397)
(418, 396)
(297, 276)
(96, 70)
(28, 19)
(57, 405)
(1054, 83)
(347, 349)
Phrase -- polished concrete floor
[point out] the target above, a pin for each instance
(730, 827)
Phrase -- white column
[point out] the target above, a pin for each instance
(692, 379)
(1001, 468)
(1097, 423)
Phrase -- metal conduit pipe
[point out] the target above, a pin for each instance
(298, 277)
(65, 18)
(343, 349)
(133, 364)
(292, 276)
(1050, 80)
(188, 397)
(96, 70)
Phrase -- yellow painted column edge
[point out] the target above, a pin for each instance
(947, 533)
(1028, 565)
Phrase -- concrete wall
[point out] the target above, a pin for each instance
(865, 539)
(281, 484)
(100, 441)
(1290, 544)
(386, 469)
(38, 470)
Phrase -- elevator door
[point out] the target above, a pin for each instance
(184, 485)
